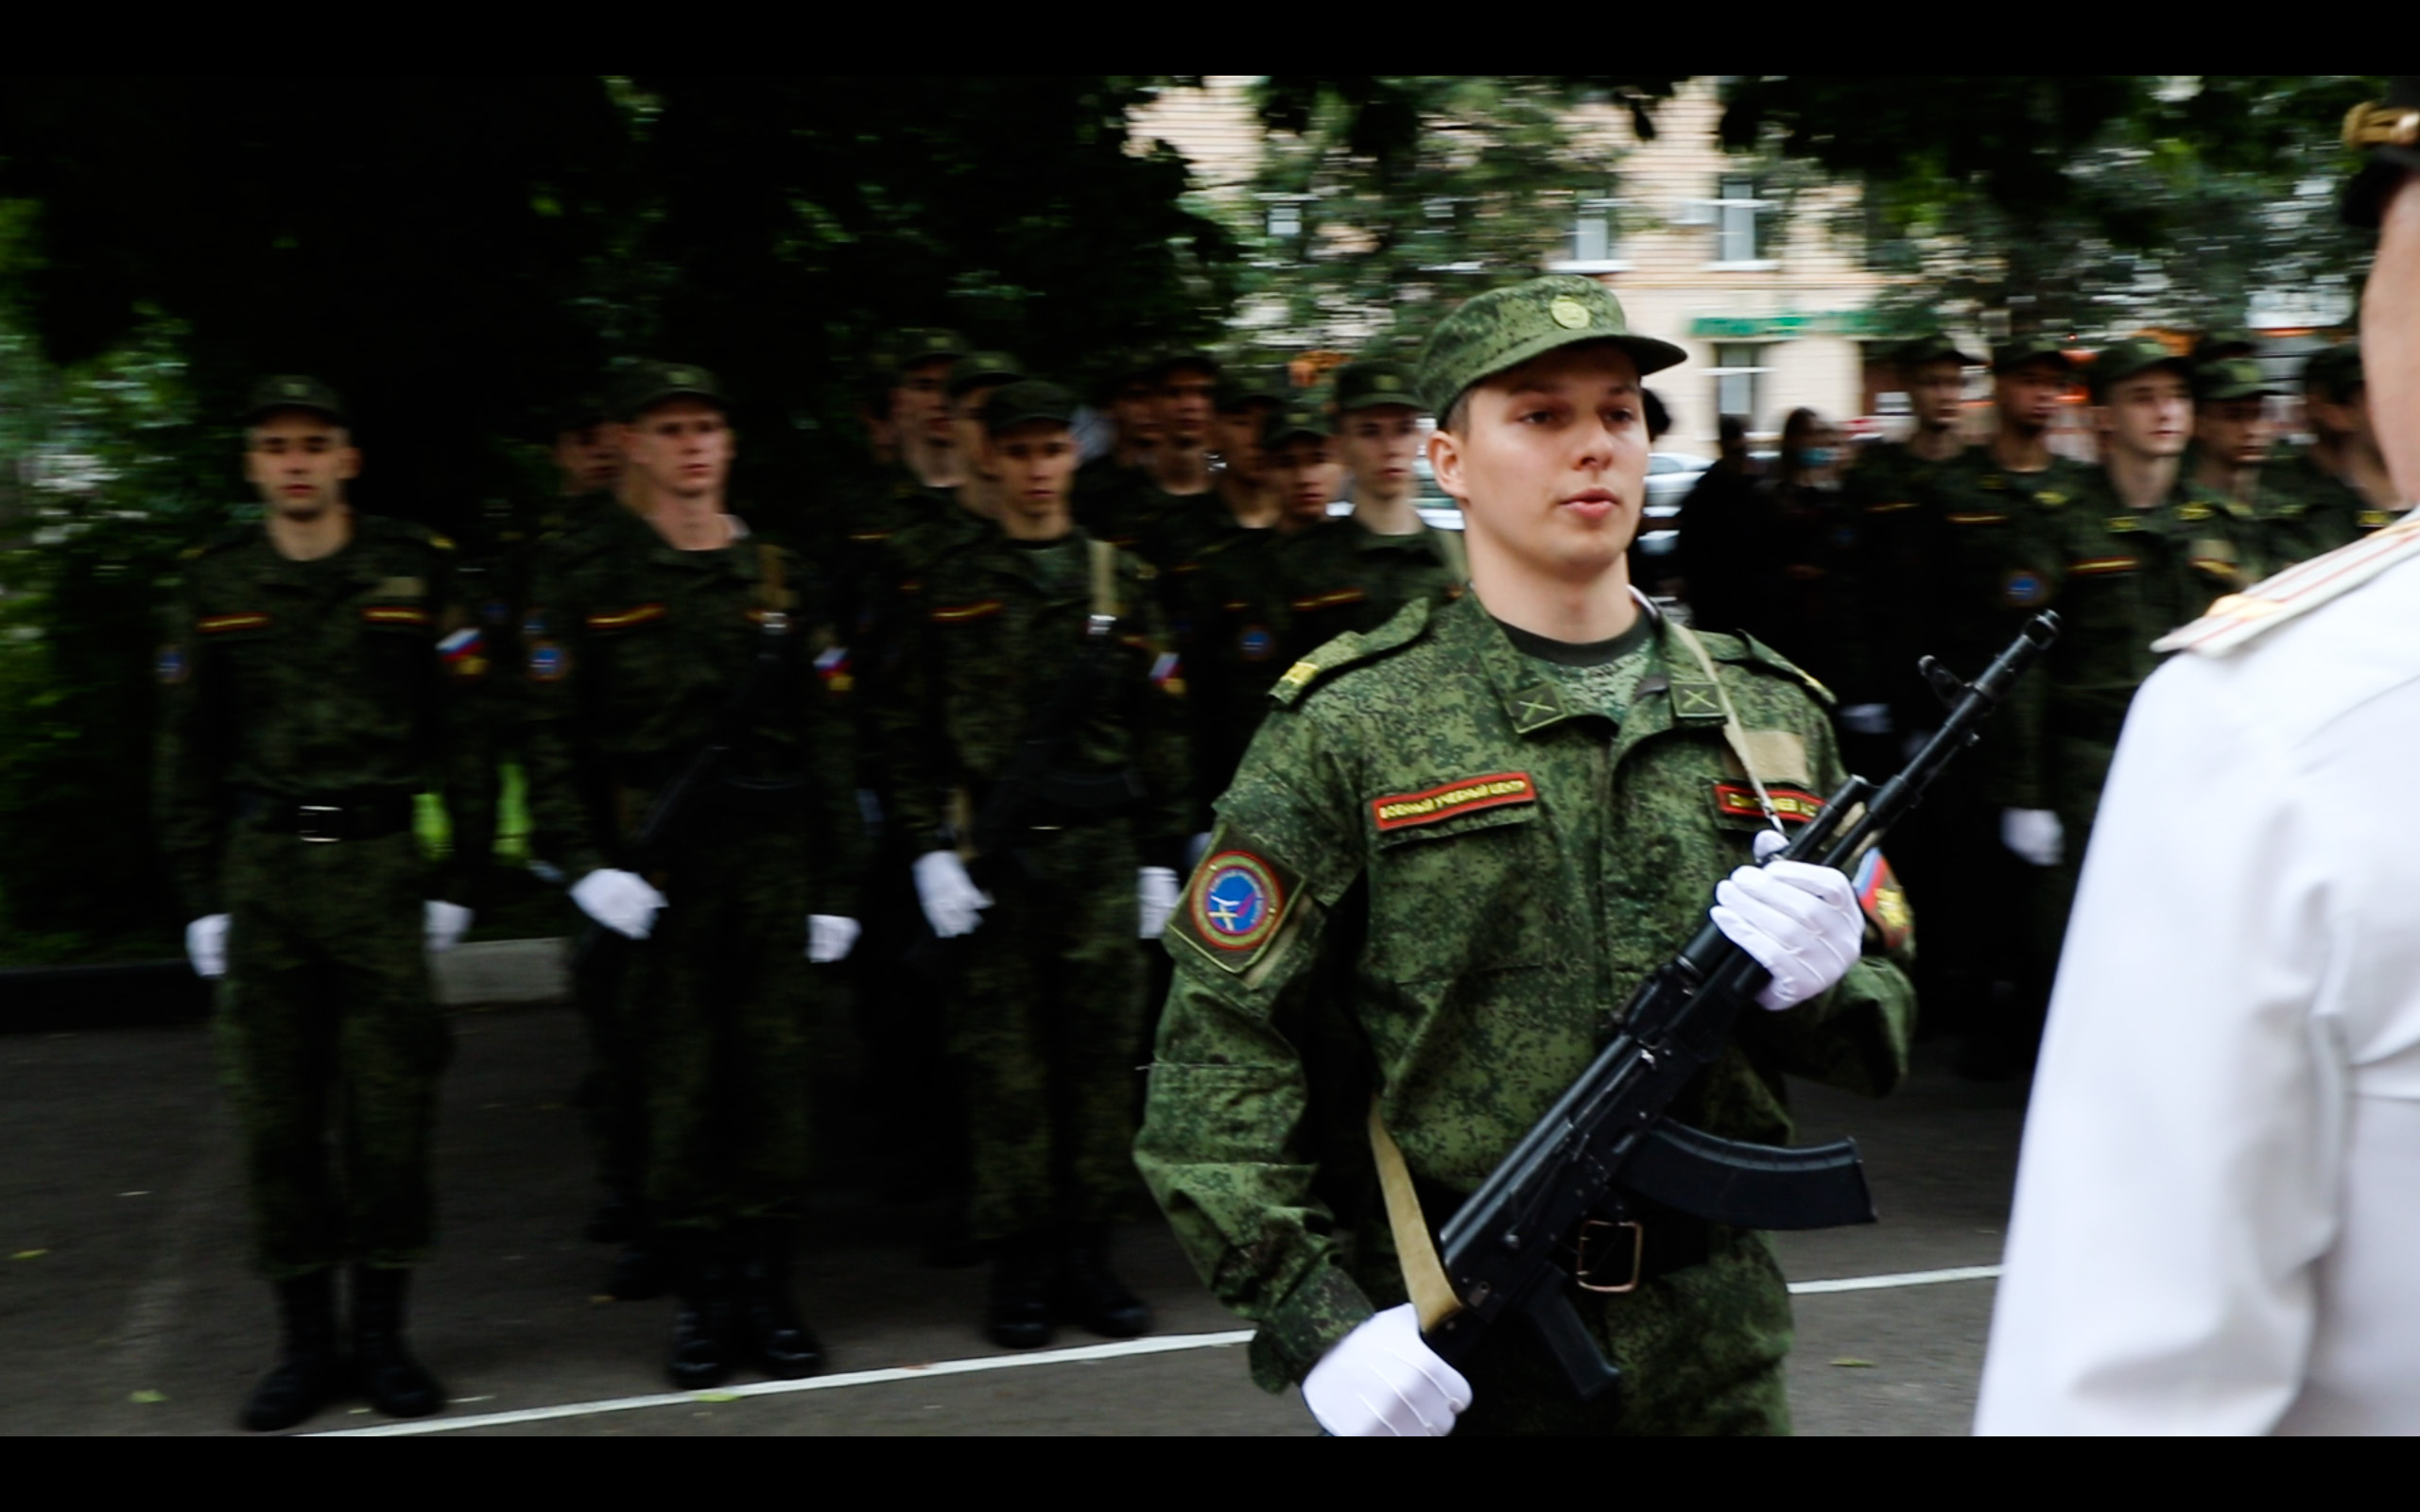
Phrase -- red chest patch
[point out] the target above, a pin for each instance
(1402, 810)
(1737, 800)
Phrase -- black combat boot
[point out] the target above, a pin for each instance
(309, 1371)
(768, 1322)
(701, 1325)
(394, 1382)
(1019, 1316)
(1084, 1291)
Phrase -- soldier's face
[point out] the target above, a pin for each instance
(2348, 421)
(1381, 448)
(1239, 440)
(681, 448)
(1304, 474)
(920, 406)
(1137, 410)
(2234, 430)
(587, 459)
(1551, 464)
(1938, 394)
(1186, 404)
(300, 461)
(1035, 464)
(2150, 415)
(2028, 398)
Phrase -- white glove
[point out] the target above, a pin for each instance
(2035, 834)
(1866, 718)
(621, 901)
(829, 939)
(953, 905)
(206, 945)
(1800, 922)
(1381, 1381)
(1195, 849)
(442, 923)
(1155, 897)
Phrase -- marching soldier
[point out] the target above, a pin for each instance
(649, 639)
(320, 670)
(1038, 742)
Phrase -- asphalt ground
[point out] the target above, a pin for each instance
(127, 1307)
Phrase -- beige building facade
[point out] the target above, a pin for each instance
(1760, 286)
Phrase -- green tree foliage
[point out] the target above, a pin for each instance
(1373, 208)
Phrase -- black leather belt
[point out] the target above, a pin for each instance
(1612, 1257)
(324, 821)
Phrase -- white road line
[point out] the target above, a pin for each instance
(1124, 1350)
(1913, 1278)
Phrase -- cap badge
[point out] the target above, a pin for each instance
(1569, 314)
(295, 388)
(1386, 383)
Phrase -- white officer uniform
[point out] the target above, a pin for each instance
(2218, 1206)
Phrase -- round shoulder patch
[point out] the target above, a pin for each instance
(1237, 901)
(547, 661)
(2024, 589)
(171, 667)
(1256, 643)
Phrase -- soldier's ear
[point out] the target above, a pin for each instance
(349, 463)
(1446, 462)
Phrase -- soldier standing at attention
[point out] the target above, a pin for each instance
(1132, 396)
(1356, 573)
(2231, 428)
(1185, 385)
(2336, 489)
(320, 671)
(642, 636)
(2140, 551)
(1040, 734)
(1478, 828)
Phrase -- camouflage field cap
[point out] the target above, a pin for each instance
(2335, 372)
(2388, 133)
(2231, 378)
(1933, 346)
(2010, 357)
(913, 348)
(651, 383)
(2228, 341)
(1295, 422)
(1500, 330)
(1372, 385)
(293, 391)
(2117, 363)
(578, 412)
(1024, 403)
(1240, 391)
(982, 369)
(1169, 359)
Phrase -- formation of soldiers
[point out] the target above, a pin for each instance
(1936, 546)
(969, 738)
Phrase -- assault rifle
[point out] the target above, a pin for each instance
(1566, 1204)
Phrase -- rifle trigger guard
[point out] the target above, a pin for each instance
(1581, 1270)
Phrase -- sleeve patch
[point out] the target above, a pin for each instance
(1885, 905)
(1235, 904)
(1402, 810)
(832, 665)
(465, 653)
(547, 662)
(172, 667)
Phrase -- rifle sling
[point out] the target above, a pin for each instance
(1733, 734)
(1423, 1274)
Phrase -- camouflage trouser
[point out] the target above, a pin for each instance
(1699, 1350)
(1045, 1033)
(717, 1005)
(326, 1027)
(2080, 768)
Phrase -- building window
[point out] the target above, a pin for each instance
(1738, 373)
(1593, 244)
(1738, 226)
(1285, 220)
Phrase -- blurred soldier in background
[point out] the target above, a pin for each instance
(320, 671)
(2336, 490)
(651, 637)
(2232, 429)
(1130, 392)
(1185, 384)
(1038, 744)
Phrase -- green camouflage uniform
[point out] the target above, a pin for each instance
(1045, 1025)
(1893, 498)
(349, 684)
(2308, 511)
(632, 651)
(1480, 856)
